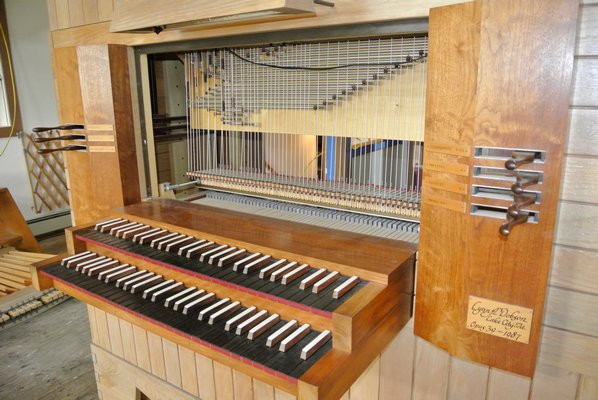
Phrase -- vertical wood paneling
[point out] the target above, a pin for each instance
(128, 339)
(579, 183)
(396, 366)
(205, 377)
(585, 83)
(93, 329)
(368, 384)
(570, 351)
(90, 12)
(156, 354)
(588, 388)
(505, 385)
(76, 15)
(551, 383)
(141, 348)
(345, 396)
(583, 128)
(575, 269)
(188, 371)
(171, 362)
(431, 372)
(578, 225)
(105, 8)
(102, 325)
(63, 19)
(467, 380)
(116, 343)
(243, 386)
(573, 311)
(262, 391)
(280, 395)
(51, 4)
(223, 381)
(587, 40)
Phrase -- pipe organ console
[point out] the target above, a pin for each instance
(296, 267)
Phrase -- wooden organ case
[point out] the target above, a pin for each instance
(319, 305)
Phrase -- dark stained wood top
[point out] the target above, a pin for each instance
(376, 255)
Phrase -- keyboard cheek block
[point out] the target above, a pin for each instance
(306, 325)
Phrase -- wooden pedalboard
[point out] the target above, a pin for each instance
(361, 326)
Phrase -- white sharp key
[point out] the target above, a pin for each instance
(106, 228)
(265, 272)
(294, 274)
(214, 250)
(279, 272)
(223, 252)
(178, 242)
(212, 308)
(117, 274)
(223, 312)
(74, 256)
(251, 322)
(237, 319)
(345, 287)
(254, 264)
(315, 344)
(236, 253)
(280, 334)
(263, 326)
(121, 281)
(84, 264)
(177, 237)
(313, 278)
(128, 284)
(187, 298)
(141, 235)
(196, 248)
(97, 269)
(161, 238)
(198, 303)
(98, 261)
(189, 246)
(103, 274)
(80, 259)
(116, 229)
(294, 337)
(102, 223)
(325, 282)
(165, 290)
(159, 286)
(178, 295)
(133, 228)
(250, 257)
(153, 280)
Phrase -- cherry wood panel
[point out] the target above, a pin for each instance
(13, 227)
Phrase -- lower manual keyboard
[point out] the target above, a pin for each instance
(260, 339)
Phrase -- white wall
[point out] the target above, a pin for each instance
(28, 29)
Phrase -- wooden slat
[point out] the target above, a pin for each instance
(156, 354)
(105, 8)
(575, 269)
(281, 395)
(243, 386)
(588, 388)
(396, 366)
(128, 340)
(223, 382)
(587, 39)
(368, 384)
(262, 390)
(102, 326)
(505, 385)
(11, 265)
(90, 12)
(141, 348)
(10, 283)
(583, 124)
(16, 272)
(467, 380)
(551, 383)
(431, 371)
(93, 328)
(569, 351)
(116, 343)
(578, 225)
(172, 362)
(585, 83)
(205, 377)
(188, 371)
(52, 14)
(76, 14)
(579, 179)
(573, 311)
(13, 223)
(16, 279)
(63, 19)
(16, 260)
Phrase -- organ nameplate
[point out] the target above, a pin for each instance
(499, 319)
(454, 149)
(450, 168)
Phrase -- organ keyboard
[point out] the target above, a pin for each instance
(284, 302)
